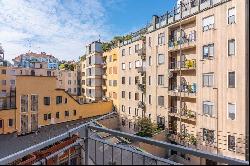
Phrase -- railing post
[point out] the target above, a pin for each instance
(86, 145)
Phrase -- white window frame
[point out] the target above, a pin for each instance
(208, 25)
(212, 82)
(235, 47)
(228, 118)
(123, 66)
(235, 14)
(159, 59)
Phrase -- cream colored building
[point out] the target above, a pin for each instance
(196, 77)
(93, 72)
(132, 82)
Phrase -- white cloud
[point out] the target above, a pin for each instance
(61, 28)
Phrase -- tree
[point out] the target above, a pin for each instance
(146, 127)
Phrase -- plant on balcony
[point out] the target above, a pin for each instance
(146, 127)
(106, 46)
(192, 140)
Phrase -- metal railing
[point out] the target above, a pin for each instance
(91, 149)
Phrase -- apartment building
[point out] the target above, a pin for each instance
(195, 70)
(69, 80)
(39, 105)
(30, 59)
(1, 53)
(132, 81)
(198, 70)
(110, 77)
(93, 72)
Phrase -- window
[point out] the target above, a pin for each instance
(57, 115)
(161, 38)
(110, 58)
(231, 80)
(123, 122)
(123, 108)
(129, 95)
(208, 136)
(129, 124)
(49, 116)
(114, 70)
(138, 64)
(208, 51)
(150, 61)
(129, 51)
(129, 110)
(114, 95)
(46, 100)
(161, 100)
(231, 143)
(3, 82)
(231, 111)
(3, 71)
(160, 80)
(208, 23)
(123, 80)
(136, 96)
(12, 82)
(110, 70)
(130, 65)
(110, 82)
(208, 80)
(208, 108)
(74, 112)
(231, 15)
(123, 52)
(129, 81)
(58, 99)
(149, 80)
(136, 112)
(161, 59)
(137, 80)
(66, 113)
(1, 124)
(114, 83)
(137, 46)
(123, 66)
(123, 94)
(231, 47)
(149, 99)
(45, 117)
(66, 101)
(11, 122)
(149, 41)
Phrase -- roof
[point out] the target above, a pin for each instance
(41, 55)
(12, 143)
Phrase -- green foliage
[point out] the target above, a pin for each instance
(67, 66)
(146, 127)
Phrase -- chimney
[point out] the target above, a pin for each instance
(155, 20)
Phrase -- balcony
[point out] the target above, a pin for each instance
(142, 53)
(90, 144)
(186, 42)
(141, 105)
(183, 65)
(188, 114)
(142, 87)
(141, 70)
(173, 111)
(184, 90)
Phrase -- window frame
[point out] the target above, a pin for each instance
(228, 80)
(235, 108)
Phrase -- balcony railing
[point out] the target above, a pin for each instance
(186, 90)
(188, 114)
(91, 149)
(141, 105)
(183, 65)
(141, 69)
(185, 41)
(142, 87)
(142, 53)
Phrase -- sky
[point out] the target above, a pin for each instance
(64, 27)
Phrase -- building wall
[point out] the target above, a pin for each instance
(111, 75)
(29, 85)
(5, 116)
(130, 73)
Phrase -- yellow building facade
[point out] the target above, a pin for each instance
(40, 103)
(111, 75)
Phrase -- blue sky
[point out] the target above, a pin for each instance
(64, 27)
